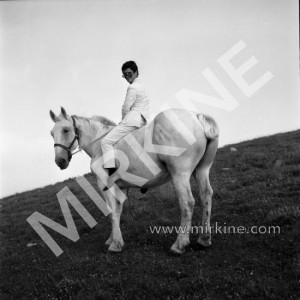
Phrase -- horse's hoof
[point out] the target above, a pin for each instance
(115, 247)
(204, 242)
(108, 242)
(176, 250)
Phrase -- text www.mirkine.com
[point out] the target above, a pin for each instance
(215, 229)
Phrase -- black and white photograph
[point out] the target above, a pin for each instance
(150, 149)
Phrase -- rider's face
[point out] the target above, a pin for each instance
(129, 75)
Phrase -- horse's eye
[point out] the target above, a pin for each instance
(66, 130)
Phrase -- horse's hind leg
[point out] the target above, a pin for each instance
(206, 192)
(182, 187)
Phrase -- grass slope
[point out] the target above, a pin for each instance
(257, 185)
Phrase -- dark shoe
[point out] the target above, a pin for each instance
(144, 190)
(110, 172)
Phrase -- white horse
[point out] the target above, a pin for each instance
(175, 145)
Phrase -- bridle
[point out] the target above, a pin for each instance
(76, 137)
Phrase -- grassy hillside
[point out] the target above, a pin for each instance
(257, 185)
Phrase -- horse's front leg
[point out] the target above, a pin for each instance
(115, 241)
(101, 185)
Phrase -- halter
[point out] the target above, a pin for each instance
(68, 149)
(76, 137)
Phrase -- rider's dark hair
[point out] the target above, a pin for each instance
(131, 65)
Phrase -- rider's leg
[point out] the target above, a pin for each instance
(108, 142)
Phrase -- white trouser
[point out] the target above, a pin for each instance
(107, 143)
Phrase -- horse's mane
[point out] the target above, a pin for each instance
(104, 121)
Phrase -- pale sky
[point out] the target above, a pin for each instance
(69, 53)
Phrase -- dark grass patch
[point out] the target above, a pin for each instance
(257, 185)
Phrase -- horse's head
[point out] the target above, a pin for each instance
(65, 135)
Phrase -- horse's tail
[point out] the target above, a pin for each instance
(211, 131)
(210, 126)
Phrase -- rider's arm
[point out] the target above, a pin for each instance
(129, 101)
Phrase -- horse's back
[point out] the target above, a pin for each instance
(174, 141)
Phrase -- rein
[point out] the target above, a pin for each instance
(98, 138)
(76, 137)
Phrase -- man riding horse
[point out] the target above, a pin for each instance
(135, 113)
(176, 145)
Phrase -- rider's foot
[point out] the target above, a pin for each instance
(110, 172)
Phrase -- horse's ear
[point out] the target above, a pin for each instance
(53, 116)
(64, 113)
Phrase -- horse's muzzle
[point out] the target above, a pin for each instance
(62, 163)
